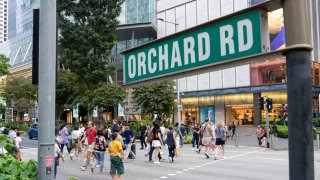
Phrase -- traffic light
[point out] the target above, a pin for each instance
(261, 103)
(269, 104)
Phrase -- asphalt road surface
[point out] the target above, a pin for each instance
(253, 163)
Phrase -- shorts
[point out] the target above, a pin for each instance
(156, 143)
(116, 165)
(219, 141)
(91, 148)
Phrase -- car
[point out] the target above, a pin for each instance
(33, 131)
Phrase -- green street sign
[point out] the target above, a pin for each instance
(210, 43)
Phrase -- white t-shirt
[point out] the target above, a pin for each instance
(12, 134)
(82, 130)
(76, 134)
(162, 129)
(18, 141)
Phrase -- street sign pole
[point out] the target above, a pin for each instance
(301, 154)
(47, 86)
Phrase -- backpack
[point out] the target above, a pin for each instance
(150, 136)
(99, 145)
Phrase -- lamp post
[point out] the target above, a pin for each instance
(179, 106)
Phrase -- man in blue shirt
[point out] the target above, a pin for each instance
(129, 139)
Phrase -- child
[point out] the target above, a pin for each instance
(18, 140)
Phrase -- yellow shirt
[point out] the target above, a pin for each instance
(115, 147)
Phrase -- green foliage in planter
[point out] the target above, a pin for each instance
(11, 168)
(20, 126)
(135, 126)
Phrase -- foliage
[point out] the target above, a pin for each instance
(2, 109)
(66, 91)
(135, 126)
(20, 126)
(86, 45)
(4, 66)
(235, 114)
(20, 92)
(11, 168)
(316, 124)
(282, 130)
(108, 94)
(157, 97)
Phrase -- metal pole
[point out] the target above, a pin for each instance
(318, 142)
(179, 103)
(301, 154)
(47, 78)
(237, 140)
(267, 126)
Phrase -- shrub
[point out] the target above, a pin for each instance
(11, 168)
(21, 126)
(315, 123)
(135, 126)
(282, 130)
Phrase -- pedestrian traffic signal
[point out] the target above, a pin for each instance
(269, 104)
(261, 103)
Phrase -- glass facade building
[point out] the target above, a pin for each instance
(137, 26)
(19, 46)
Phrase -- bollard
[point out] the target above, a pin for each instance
(318, 142)
(236, 140)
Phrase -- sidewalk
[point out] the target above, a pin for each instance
(247, 138)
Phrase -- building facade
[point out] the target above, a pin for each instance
(3, 20)
(19, 45)
(222, 94)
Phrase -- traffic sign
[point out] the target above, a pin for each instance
(210, 43)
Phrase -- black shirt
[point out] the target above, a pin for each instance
(143, 130)
(197, 130)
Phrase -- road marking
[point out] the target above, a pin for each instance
(163, 177)
(198, 166)
(275, 159)
(178, 172)
(185, 170)
(208, 163)
(191, 168)
(171, 174)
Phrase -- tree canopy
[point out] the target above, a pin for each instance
(4, 66)
(158, 97)
(87, 35)
(20, 93)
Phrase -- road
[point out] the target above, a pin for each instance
(241, 163)
(28, 143)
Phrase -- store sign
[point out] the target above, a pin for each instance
(231, 38)
(132, 110)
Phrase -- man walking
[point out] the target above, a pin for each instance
(143, 132)
(91, 134)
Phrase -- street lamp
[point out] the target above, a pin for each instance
(179, 106)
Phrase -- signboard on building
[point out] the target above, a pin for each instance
(120, 110)
(207, 44)
(132, 110)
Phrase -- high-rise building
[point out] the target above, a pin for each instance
(19, 45)
(3, 20)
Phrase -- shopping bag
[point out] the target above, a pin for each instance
(177, 152)
(146, 151)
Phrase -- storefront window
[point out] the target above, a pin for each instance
(268, 72)
(190, 110)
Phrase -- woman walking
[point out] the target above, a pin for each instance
(76, 134)
(99, 145)
(195, 136)
(64, 137)
(171, 142)
(156, 142)
(221, 133)
(116, 157)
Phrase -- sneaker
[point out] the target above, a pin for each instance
(207, 155)
(83, 168)
(141, 148)
(192, 149)
(223, 157)
(170, 159)
(157, 162)
(97, 166)
(215, 158)
(92, 169)
(102, 172)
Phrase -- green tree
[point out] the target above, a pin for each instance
(157, 97)
(20, 93)
(87, 30)
(66, 91)
(4, 66)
